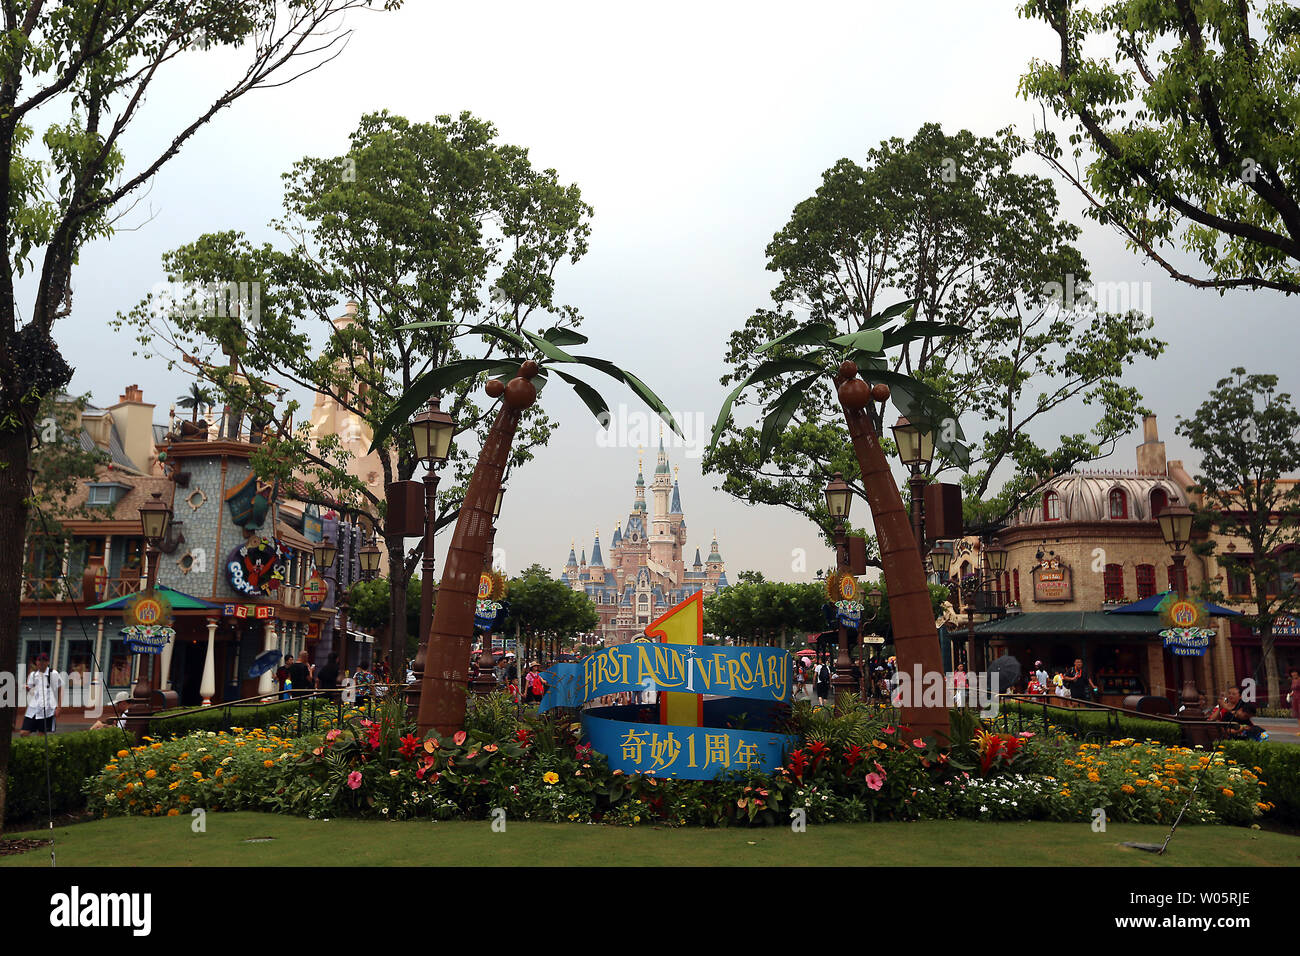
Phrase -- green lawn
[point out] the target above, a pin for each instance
(299, 842)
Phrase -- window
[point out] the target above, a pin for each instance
(1238, 575)
(1159, 501)
(1015, 579)
(1118, 504)
(1114, 583)
(1146, 580)
(1051, 506)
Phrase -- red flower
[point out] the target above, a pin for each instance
(523, 735)
(798, 761)
(853, 755)
(409, 746)
(819, 751)
(373, 734)
(458, 737)
(889, 730)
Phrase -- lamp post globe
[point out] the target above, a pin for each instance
(431, 431)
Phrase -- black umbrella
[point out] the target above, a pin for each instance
(1006, 672)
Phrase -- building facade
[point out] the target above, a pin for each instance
(647, 573)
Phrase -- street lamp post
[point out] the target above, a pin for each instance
(155, 521)
(941, 561)
(839, 498)
(431, 431)
(369, 568)
(874, 596)
(1176, 528)
(485, 681)
(995, 559)
(916, 451)
(324, 554)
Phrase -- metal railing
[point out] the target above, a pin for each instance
(308, 713)
(1193, 731)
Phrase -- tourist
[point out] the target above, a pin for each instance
(534, 685)
(959, 686)
(1080, 684)
(1040, 672)
(327, 678)
(300, 675)
(43, 686)
(1224, 710)
(823, 683)
(1293, 698)
(1244, 724)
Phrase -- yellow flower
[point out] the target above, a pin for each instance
(197, 775)
(268, 763)
(551, 777)
(1227, 792)
(1128, 789)
(173, 812)
(150, 774)
(173, 785)
(122, 753)
(1092, 775)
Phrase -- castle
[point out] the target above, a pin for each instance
(647, 573)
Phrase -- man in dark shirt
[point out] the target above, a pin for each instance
(327, 678)
(300, 675)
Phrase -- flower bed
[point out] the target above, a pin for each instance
(539, 770)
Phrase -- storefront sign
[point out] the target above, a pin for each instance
(1182, 613)
(315, 591)
(256, 611)
(1284, 625)
(257, 567)
(1053, 582)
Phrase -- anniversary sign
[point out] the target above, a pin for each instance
(683, 672)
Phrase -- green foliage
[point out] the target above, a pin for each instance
(370, 603)
(1248, 437)
(219, 718)
(1279, 765)
(543, 606)
(1085, 725)
(69, 759)
(1191, 112)
(987, 335)
(493, 716)
(765, 612)
(850, 722)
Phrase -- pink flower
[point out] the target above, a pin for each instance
(880, 770)
(919, 743)
(354, 779)
(889, 730)
(333, 734)
(874, 781)
(459, 737)
(1025, 733)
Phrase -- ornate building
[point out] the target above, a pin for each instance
(647, 572)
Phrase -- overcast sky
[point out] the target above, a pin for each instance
(693, 129)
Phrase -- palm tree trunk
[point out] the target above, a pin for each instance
(446, 674)
(916, 640)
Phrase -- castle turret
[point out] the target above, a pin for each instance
(676, 507)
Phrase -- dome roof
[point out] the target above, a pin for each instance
(1085, 496)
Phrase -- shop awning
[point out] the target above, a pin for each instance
(1069, 624)
(1149, 605)
(179, 600)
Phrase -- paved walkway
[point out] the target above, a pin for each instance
(1280, 731)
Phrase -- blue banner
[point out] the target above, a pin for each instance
(761, 673)
(684, 753)
(563, 686)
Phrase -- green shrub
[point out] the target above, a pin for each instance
(1279, 766)
(1084, 724)
(219, 718)
(73, 757)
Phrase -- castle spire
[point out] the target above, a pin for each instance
(596, 561)
(714, 556)
(573, 558)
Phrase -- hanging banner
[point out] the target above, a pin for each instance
(315, 590)
(147, 608)
(147, 638)
(683, 672)
(1187, 641)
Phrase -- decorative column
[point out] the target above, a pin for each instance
(266, 683)
(165, 665)
(208, 683)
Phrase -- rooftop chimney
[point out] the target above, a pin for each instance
(131, 393)
(1151, 453)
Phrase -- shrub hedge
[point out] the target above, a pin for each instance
(1086, 723)
(1279, 765)
(73, 757)
(223, 718)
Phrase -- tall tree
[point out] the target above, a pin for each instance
(1192, 115)
(64, 183)
(1249, 438)
(981, 251)
(758, 612)
(542, 607)
(416, 221)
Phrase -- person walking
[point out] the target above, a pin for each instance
(300, 675)
(1294, 696)
(327, 678)
(823, 683)
(43, 687)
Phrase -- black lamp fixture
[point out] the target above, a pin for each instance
(942, 560)
(996, 556)
(155, 519)
(915, 447)
(431, 430)
(324, 554)
(839, 497)
(369, 560)
(1176, 526)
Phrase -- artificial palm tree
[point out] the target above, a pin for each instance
(198, 397)
(516, 382)
(842, 358)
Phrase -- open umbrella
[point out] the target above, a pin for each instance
(1003, 674)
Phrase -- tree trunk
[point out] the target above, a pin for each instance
(1268, 654)
(444, 684)
(916, 640)
(13, 524)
